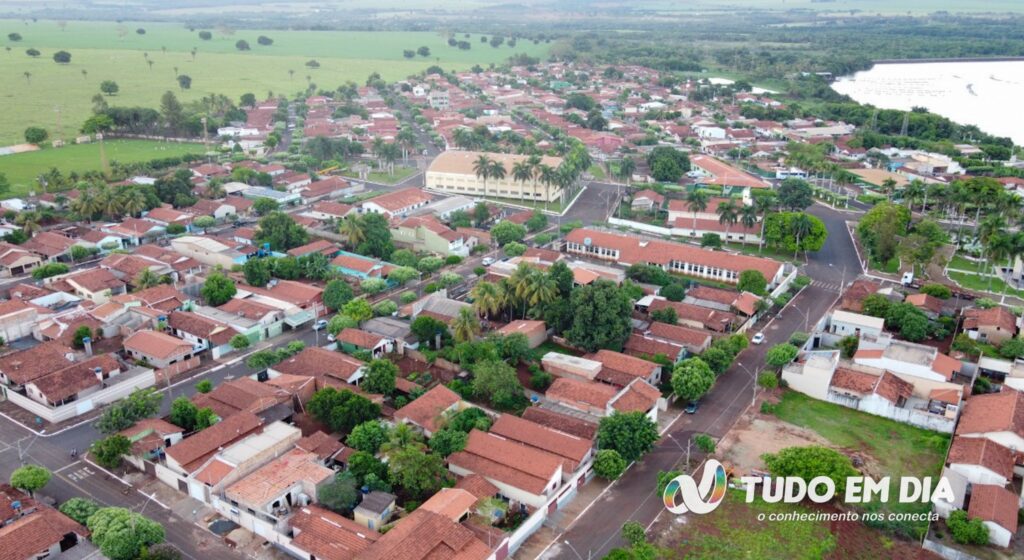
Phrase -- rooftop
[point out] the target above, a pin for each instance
(275, 478)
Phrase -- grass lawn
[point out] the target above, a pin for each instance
(734, 531)
(892, 266)
(983, 283)
(556, 207)
(960, 262)
(22, 169)
(767, 252)
(98, 49)
(401, 173)
(899, 449)
(549, 346)
(597, 171)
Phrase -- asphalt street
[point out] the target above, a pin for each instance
(633, 497)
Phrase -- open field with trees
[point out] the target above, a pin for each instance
(22, 169)
(36, 86)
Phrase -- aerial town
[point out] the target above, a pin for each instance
(493, 312)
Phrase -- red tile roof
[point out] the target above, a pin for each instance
(639, 396)
(572, 449)
(587, 392)
(982, 452)
(503, 460)
(194, 450)
(561, 422)
(320, 363)
(329, 536)
(994, 412)
(157, 345)
(359, 338)
(425, 535)
(426, 410)
(993, 317)
(995, 504)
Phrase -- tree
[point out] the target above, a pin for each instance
(373, 286)
(109, 450)
(263, 206)
(368, 437)
(380, 377)
(423, 51)
(142, 403)
(183, 414)
(752, 281)
(281, 232)
(967, 531)
(795, 194)
(218, 289)
(601, 317)
(205, 418)
(881, 227)
(496, 381)
(257, 272)
(848, 345)
(239, 342)
(691, 379)
(608, 464)
(264, 40)
(795, 231)
(205, 385)
(429, 265)
(205, 35)
(62, 57)
(781, 354)
(536, 222)
(184, 81)
(631, 434)
(362, 464)
(506, 232)
(446, 441)
(14, 37)
(466, 326)
(937, 290)
(35, 135)
(409, 53)
(376, 236)
(242, 45)
(109, 87)
(120, 533)
(419, 474)
(30, 478)
(341, 494)
(667, 164)
(336, 294)
(514, 249)
(48, 270)
(342, 411)
(810, 462)
(673, 292)
(358, 309)
(428, 329)
(667, 315)
(79, 509)
(403, 274)
(81, 333)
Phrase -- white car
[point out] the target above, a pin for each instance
(488, 261)
(758, 338)
(330, 338)
(319, 324)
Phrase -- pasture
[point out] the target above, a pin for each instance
(110, 51)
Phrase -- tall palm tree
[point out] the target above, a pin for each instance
(764, 204)
(215, 191)
(29, 222)
(352, 228)
(400, 437)
(747, 217)
(497, 170)
(487, 298)
(546, 174)
(697, 202)
(543, 290)
(801, 227)
(146, 279)
(85, 204)
(520, 284)
(888, 186)
(389, 152)
(378, 145)
(111, 203)
(406, 139)
(466, 325)
(522, 172)
(913, 191)
(482, 169)
(728, 215)
(565, 178)
(626, 168)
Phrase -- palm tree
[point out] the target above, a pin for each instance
(696, 201)
(482, 169)
(133, 202)
(146, 279)
(888, 186)
(801, 225)
(487, 298)
(497, 170)
(29, 222)
(913, 191)
(763, 205)
(565, 178)
(28, 77)
(747, 217)
(626, 168)
(352, 228)
(466, 325)
(215, 190)
(389, 152)
(520, 284)
(401, 436)
(407, 140)
(543, 290)
(378, 145)
(522, 172)
(534, 162)
(547, 175)
(728, 214)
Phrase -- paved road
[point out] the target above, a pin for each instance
(633, 496)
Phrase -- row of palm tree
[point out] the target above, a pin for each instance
(387, 153)
(730, 213)
(524, 290)
(113, 204)
(531, 170)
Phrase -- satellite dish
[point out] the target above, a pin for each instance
(587, 241)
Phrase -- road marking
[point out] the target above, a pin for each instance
(68, 466)
(81, 474)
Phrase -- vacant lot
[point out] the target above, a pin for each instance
(109, 51)
(22, 169)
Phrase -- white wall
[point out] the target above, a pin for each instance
(123, 388)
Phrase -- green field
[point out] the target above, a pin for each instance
(22, 169)
(863, 7)
(897, 449)
(109, 51)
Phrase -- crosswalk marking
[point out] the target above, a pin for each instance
(830, 286)
(81, 473)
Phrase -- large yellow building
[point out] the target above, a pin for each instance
(452, 172)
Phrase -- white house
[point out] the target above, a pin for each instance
(844, 323)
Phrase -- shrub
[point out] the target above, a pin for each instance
(541, 380)
(479, 271)
(801, 281)
(967, 531)
(768, 380)
(705, 443)
(937, 290)
(608, 464)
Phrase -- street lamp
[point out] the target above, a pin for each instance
(753, 382)
(577, 553)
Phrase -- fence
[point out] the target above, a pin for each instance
(556, 502)
(143, 378)
(163, 375)
(885, 409)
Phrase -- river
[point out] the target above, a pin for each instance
(986, 94)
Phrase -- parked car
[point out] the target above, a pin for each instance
(692, 407)
(330, 338)
(488, 261)
(758, 338)
(319, 324)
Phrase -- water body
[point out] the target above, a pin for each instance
(986, 94)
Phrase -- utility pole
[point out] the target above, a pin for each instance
(60, 133)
